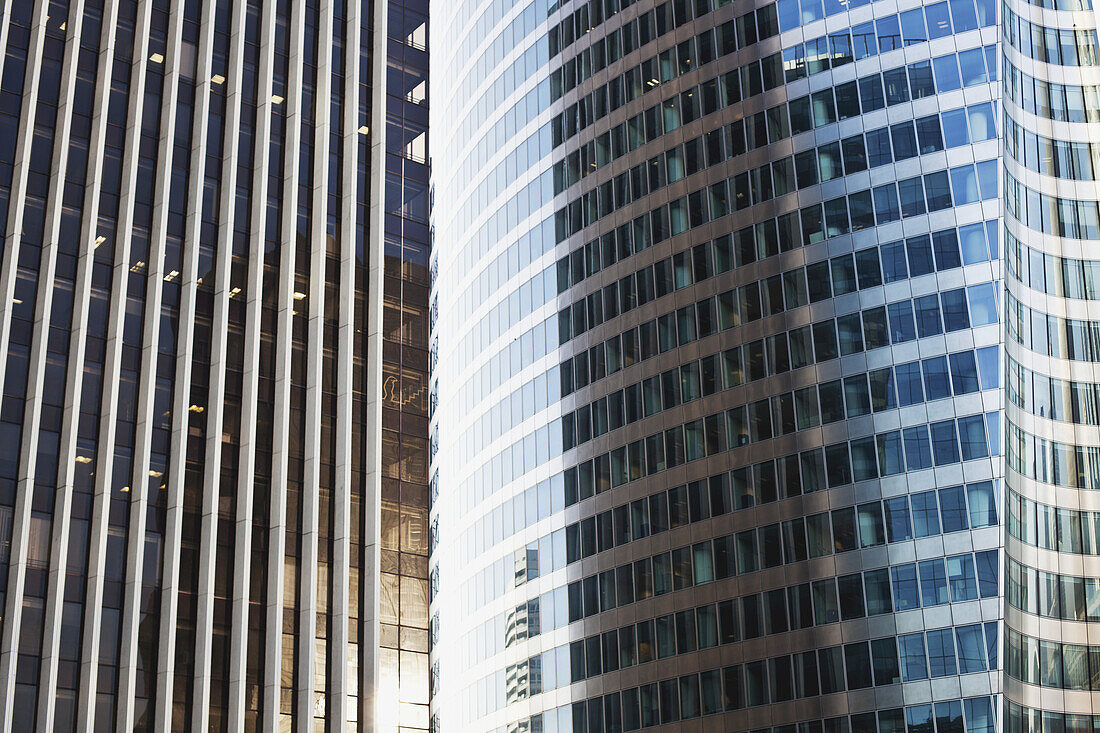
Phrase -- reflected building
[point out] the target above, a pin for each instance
(192, 278)
(718, 436)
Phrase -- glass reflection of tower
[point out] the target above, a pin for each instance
(403, 612)
(716, 307)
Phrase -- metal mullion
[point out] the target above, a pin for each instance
(370, 572)
(139, 482)
(223, 259)
(28, 454)
(345, 401)
(242, 566)
(166, 663)
(307, 610)
(112, 365)
(283, 352)
(74, 368)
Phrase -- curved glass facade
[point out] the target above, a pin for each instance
(716, 396)
(1050, 115)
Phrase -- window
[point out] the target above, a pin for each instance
(933, 582)
(911, 657)
(926, 519)
(953, 509)
(945, 446)
(961, 578)
(941, 653)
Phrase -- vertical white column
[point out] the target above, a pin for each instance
(181, 399)
(215, 408)
(105, 477)
(277, 579)
(372, 492)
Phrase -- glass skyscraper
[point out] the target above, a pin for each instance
(192, 343)
(719, 436)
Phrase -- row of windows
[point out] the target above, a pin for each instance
(977, 66)
(1053, 528)
(899, 519)
(1057, 399)
(827, 402)
(905, 587)
(969, 184)
(764, 240)
(1052, 157)
(793, 13)
(1064, 277)
(1062, 338)
(1061, 102)
(868, 268)
(1054, 215)
(853, 666)
(1065, 47)
(679, 59)
(853, 333)
(972, 715)
(505, 40)
(940, 251)
(883, 204)
(896, 322)
(822, 602)
(697, 628)
(886, 34)
(805, 113)
(591, 15)
(1050, 462)
(1051, 663)
(882, 146)
(1051, 595)
(750, 244)
(721, 494)
(889, 453)
(1019, 719)
(707, 436)
(764, 298)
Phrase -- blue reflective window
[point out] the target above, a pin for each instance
(941, 653)
(945, 442)
(927, 309)
(955, 314)
(983, 304)
(908, 378)
(892, 257)
(988, 367)
(918, 451)
(906, 590)
(953, 509)
(964, 372)
(925, 514)
(914, 666)
(936, 383)
(954, 123)
(888, 31)
(946, 72)
(898, 527)
(902, 326)
(972, 240)
(933, 582)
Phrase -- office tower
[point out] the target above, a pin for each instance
(191, 328)
(717, 430)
